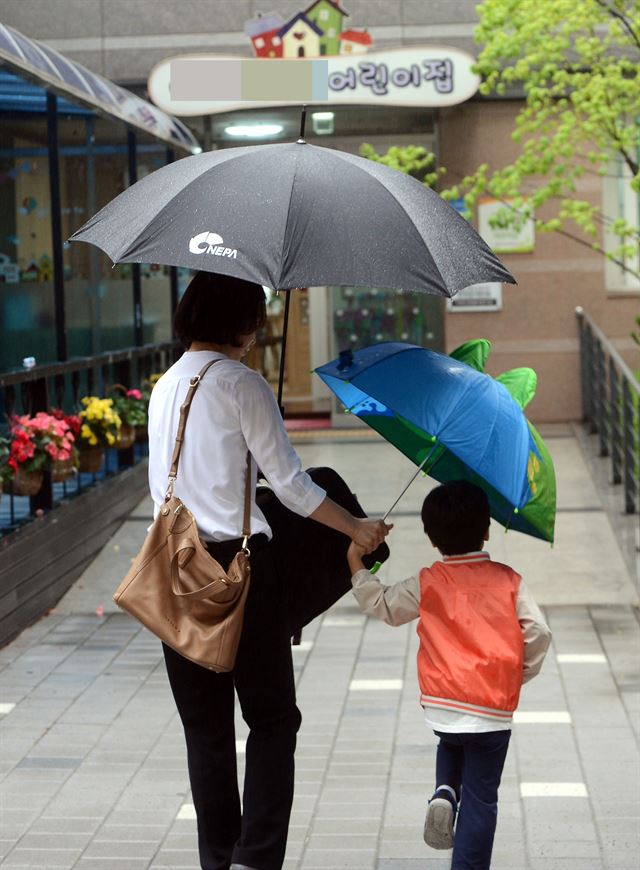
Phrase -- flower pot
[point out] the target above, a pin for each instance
(26, 482)
(62, 469)
(142, 433)
(91, 459)
(126, 437)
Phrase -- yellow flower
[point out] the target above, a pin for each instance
(93, 441)
(110, 438)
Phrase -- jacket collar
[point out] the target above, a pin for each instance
(463, 558)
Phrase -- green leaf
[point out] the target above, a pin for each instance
(474, 353)
(521, 384)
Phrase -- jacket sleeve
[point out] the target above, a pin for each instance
(536, 632)
(394, 605)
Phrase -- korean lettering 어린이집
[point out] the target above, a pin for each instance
(402, 76)
(374, 76)
(338, 81)
(440, 72)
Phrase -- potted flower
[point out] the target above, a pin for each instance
(131, 407)
(36, 443)
(64, 469)
(99, 428)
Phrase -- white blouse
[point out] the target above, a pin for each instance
(233, 409)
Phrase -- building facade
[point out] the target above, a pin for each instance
(532, 324)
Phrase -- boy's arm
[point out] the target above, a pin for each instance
(395, 604)
(536, 632)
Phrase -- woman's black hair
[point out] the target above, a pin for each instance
(218, 309)
(456, 517)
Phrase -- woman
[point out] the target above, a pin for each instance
(234, 410)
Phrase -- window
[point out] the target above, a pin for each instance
(324, 15)
(260, 43)
(276, 41)
(619, 201)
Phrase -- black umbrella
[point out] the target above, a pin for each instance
(295, 215)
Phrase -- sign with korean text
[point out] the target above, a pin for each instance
(477, 297)
(512, 239)
(427, 76)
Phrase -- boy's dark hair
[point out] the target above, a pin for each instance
(218, 308)
(456, 517)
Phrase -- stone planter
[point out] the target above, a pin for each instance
(91, 459)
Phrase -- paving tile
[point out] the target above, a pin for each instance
(45, 857)
(174, 859)
(93, 752)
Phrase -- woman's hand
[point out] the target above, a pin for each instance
(366, 532)
(369, 534)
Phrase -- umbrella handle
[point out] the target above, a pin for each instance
(283, 349)
(411, 479)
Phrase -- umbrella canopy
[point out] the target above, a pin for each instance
(464, 423)
(295, 215)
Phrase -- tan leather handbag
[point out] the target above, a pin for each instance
(176, 588)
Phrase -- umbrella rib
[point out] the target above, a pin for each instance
(168, 204)
(286, 225)
(363, 169)
(493, 429)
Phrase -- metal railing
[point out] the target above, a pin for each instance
(611, 407)
(61, 385)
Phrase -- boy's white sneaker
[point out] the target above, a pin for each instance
(438, 825)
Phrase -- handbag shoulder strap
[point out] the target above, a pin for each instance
(175, 459)
(182, 423)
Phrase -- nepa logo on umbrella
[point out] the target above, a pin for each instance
(211, 243)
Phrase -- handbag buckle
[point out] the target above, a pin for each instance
(244, 549)
(169, 493)
(195, 381)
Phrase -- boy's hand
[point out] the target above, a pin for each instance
(356, 550)
(354, 557)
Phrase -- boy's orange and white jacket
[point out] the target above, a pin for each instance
(481, 637)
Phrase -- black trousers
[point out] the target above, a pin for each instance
(295, 577)
(263, 678)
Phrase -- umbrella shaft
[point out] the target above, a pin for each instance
(410, 481)
(283, 349)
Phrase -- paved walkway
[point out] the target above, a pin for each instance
(92, 757)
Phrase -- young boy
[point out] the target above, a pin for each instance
(481, 636)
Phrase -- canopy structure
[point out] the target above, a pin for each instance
(47, 67)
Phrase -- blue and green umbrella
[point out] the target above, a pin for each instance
(455, 422)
